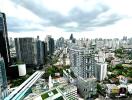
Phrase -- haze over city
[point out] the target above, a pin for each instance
(83, 18)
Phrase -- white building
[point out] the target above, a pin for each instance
(129, 88)
(101, 71)
(22, 69)
(50, 82)
(82, 61)
(69, 92)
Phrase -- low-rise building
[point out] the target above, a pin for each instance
(51, 95)
(33, 96)
(69, 92)
(68, 77)
(112, 89)
(129, 88)
(86, 87)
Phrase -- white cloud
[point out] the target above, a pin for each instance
(13, 10)
(71, 24)
(117, 29)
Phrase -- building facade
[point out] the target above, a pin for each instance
(26, 50)
(50, 44)
(101, 71)
(60, 43)
(3, 80)
(40, 52)
(82, 62)
(87, 87)
(69, 92)
(44, 46)
(4, 44)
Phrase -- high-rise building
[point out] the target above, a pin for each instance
(26, 50)
(47, 41)
(60, 43)
(11, 42)
(4, 44)
(101, 66)
(3, 80)
(71, 37)
(101, 71)
(40, 52)
(50, 44)
(73, 40)
(82, 62)
(44, 45)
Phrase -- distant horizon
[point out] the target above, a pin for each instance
(66, 35)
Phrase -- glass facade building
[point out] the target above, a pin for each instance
(3, 80)
(4, 44)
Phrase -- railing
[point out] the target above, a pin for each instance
(23, 88)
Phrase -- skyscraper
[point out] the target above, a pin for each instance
(40, 52)
(50, 45)
(3, 80)
(4, 44)
(60, 43)
(26, 50)
(73, 40)
(71, 37)
(44, 46)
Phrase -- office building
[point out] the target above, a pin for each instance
(73, 40)
(40, 52)
(3, 80)
(50, 44)
(60, 43)
(46, 40)
(26, 50)
(4, 44)
(45, 53)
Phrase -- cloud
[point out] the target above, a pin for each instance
(85, 19)
(19, 25)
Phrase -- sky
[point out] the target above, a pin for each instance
(83, 18)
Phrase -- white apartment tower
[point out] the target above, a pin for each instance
(82, 61)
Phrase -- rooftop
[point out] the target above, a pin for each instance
(49, 94)
(67, 88)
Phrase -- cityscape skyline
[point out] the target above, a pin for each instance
(65, 50)
(83, 18)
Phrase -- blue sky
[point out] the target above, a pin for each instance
(83, 18)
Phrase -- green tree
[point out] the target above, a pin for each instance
(119, 66)
(120, 53)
